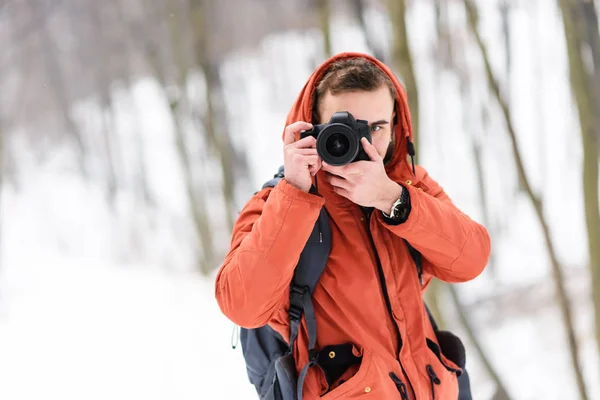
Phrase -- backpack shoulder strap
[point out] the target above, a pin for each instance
(276, 178)
(310, 267)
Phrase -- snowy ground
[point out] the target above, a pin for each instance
(94, 307)
(76, 329)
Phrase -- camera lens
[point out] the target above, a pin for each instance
(337, 144)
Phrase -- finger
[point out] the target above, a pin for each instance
(304, 143)
(356, 168)
(351, 169)
(289, 134)
(336, 181)
(348, 171)
(307, 151)
(370, 150)
(316, 167)
(313, 163)
(305, 160)
(333, 169)
(342, 192)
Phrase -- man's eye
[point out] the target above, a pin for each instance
(375, 128)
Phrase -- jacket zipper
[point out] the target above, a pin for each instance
(386, 296)
(433, 379)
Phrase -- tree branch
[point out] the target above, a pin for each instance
(535, 200)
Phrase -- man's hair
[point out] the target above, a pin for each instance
(349, 75)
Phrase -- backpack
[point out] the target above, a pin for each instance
(269, 358)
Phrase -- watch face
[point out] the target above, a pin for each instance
(397, 209)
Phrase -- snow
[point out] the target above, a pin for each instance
(79, 329)
(100, 301)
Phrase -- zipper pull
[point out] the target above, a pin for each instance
(235, 337)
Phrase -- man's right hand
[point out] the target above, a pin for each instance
(300, 159)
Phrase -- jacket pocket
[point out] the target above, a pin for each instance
(339, 361)
(446, 363)
(441, 373)
(371, 380)
(353, 384)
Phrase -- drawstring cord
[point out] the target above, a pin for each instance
(433, 379)
(410, 147)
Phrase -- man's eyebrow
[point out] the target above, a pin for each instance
(380, 122)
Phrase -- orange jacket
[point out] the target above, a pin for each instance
(252, 286)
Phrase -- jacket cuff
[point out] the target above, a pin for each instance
(293, 192)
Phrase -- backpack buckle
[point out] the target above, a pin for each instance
(297, 301)
(295, 313)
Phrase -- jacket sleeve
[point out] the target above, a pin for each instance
(268, 237)
(455, 248)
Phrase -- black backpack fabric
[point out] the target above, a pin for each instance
(269, 359)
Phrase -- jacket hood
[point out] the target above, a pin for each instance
(398, 168)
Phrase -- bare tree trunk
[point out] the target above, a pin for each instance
(128, 74)
(197, 201)
(501, 392)
(403, 62)
(579, 30)
(536, 202)
(481, 185)
(447, 60)
(102, 81)
(538, 115)
(437, 8)
(359, 11)
(476, 146)
(142, 171)
(589, 15)
(129, 46)
(141, 178)
(2, 181)
(504, 15)
(324, 11)
(433, 294)
(444, 49)
(57, 81)
(108, 148)
(215, 129)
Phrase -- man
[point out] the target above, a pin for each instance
(369, 295)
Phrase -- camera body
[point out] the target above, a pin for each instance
(338, 141)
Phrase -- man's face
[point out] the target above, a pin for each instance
(376, 107)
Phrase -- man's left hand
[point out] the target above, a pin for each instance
(365, 182)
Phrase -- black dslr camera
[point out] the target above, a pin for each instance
(338, 141)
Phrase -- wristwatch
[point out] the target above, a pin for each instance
(400, 208)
